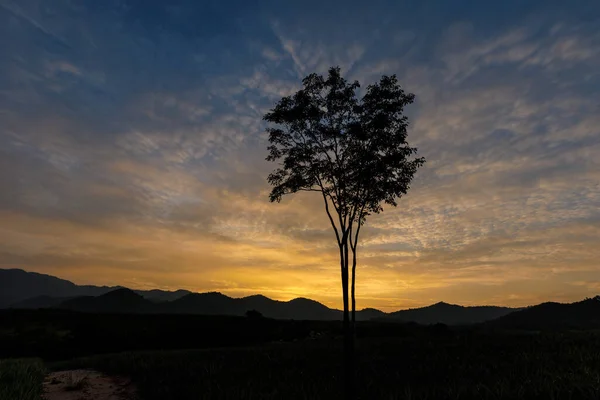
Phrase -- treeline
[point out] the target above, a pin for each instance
(60, 334)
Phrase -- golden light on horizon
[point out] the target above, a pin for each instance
(136, 158)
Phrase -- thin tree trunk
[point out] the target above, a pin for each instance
(354, 247)
(353, 290)
(348, 333)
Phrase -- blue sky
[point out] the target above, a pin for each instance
(132, 148)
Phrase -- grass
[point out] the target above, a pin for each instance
(21, 379)
(403, 363)
(487, 368)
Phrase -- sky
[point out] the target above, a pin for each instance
(132, 147)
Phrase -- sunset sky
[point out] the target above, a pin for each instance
(132, 148)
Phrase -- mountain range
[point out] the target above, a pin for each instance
(583, 314)
(28, 290)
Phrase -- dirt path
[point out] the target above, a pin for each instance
(80, 384)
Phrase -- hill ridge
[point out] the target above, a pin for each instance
(22, 289)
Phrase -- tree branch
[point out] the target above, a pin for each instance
(355, 242)
(337, 235)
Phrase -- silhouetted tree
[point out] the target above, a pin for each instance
(352, 151)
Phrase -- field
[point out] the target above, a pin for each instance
(511, 367)
(393, 362)
(21, 379)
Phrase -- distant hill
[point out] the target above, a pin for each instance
(17, 285)
(369, 313)
(449, 314)
(212, 303)
(30, 290)
(5, 301)
(305, 308)
(579, 315)
(158, 296)
(21, 289)
(215, 303)
(118, 301)
(40, 302)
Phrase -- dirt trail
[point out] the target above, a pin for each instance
(81, 384)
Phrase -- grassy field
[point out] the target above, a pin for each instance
(21, 379)
(559, 366)
(238, 358)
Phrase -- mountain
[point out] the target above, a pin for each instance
(309, 309)
(449, 314)
(18, 289)
(159, 296)
(5, 301)
(579, 315)
(212, 303)
(368, 314)
(40, 302)
(215, 303)
(17, 285)
(117, 301)
(30, 290)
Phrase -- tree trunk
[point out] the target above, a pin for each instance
(348, 335)
(353, 293)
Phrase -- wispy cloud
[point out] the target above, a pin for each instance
(132, 148)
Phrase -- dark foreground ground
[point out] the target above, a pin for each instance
(402, 362)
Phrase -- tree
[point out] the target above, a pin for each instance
(353, 152)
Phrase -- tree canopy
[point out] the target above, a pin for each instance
(353, 151)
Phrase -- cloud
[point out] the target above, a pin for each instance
(132, 148)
